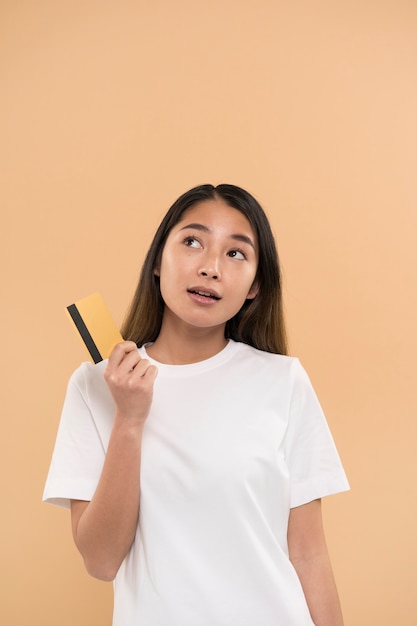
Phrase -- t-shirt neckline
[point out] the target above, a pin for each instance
(227, 353)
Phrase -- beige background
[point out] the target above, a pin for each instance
(109, 111)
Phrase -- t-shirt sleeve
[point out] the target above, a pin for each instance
(78, 455)
(312, 458)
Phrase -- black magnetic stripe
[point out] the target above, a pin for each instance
(84, 332)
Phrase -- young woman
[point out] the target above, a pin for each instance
(195, 459)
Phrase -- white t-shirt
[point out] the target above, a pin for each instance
(230, 445)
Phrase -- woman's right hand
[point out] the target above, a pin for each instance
(130, 380)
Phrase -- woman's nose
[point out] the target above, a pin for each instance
(210, 268)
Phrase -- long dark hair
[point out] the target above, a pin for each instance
(260, 321)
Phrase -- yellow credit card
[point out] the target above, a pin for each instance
(95, 325)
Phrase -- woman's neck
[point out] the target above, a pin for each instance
(186, 345)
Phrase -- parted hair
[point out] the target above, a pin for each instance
(260, 321)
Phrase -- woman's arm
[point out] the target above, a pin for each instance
(105, 528)
(310, 558)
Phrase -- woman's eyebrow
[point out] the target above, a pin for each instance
(206, 229)
(197, 226)
(243, 239)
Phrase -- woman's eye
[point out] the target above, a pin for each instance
(237, 254)
(191, 242)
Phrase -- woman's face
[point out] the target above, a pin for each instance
(208, 265)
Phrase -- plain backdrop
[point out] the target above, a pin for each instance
(108, 112)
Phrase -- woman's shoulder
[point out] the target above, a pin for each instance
(259, 358)
(88, 375)
(264, 354)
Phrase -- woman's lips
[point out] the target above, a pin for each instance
(203, 295)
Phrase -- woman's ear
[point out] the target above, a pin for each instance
(253, 291)
(157, 265)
